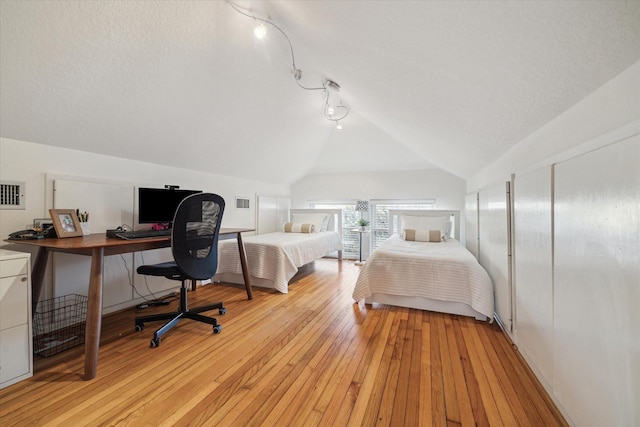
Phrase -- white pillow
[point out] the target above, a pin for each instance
(319, 220)
(427, 223)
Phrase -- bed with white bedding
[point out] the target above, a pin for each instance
(274, 258)
(439, 276)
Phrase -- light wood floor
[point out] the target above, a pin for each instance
(311, 357)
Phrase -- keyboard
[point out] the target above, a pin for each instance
(143, 234)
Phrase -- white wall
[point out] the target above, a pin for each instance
(565, 356)
(582, 128)
(447, 189)
(29, 162)
(37, 165)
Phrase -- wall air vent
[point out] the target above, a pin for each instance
(242, 203)
(12, 195)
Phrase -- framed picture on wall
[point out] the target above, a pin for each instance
(66, 222)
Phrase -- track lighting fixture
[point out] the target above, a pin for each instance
(260, 31)
(333, 112)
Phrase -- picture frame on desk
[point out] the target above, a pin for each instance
(65, 222)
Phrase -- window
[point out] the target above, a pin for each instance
(350, 240)
(378, 215)
(379, 212)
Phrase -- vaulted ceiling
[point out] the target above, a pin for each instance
(430, 84)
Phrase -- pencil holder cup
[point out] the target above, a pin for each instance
(85, 228)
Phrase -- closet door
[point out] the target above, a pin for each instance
(533, 278)
(597, 285)
(495, 248)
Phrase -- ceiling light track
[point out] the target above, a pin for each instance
(333, 113)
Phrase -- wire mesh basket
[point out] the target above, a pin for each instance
(59, 324)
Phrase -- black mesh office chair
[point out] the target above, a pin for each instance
(194, 243)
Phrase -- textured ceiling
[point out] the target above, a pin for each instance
(444, 84)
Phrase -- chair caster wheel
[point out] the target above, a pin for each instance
(222, 310)
(155, 342)
(217, 329)
(139, 328)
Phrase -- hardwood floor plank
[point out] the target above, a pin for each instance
(539, 408)
(425, 385)
(412, 412)
(455, 356)
(490, 390)
(399, 413)
(450, 396)
(379, 386)
(368, 370)
(387, 406)
(336, 411)
(438, 406)
(298, 397)
(303, 400)
(512, 398)
(310, 357)
(471, 382)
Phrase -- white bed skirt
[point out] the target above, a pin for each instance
(421, 303)
(239, 279)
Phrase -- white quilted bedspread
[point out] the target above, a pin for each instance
(444, 271)
(277, 256)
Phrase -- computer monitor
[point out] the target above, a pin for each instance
(159, 205)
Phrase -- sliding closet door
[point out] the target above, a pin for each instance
(494, 246)
(597, 286)
(533, 284)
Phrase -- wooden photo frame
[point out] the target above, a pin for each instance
(66, 222)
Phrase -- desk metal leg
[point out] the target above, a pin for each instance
(245, 269)
(94, 315)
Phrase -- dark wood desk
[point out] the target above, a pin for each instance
(97, 246)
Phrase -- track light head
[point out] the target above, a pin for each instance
(260, 31)
(332, 85)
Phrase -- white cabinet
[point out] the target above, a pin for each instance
(16, 355)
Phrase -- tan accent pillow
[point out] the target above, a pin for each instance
(294, 227)
(423, 235)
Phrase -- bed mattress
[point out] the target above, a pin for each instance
(275, 257)
(444, 271)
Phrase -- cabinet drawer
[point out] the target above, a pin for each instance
(15, 355)
(13, 267)
(14, 301)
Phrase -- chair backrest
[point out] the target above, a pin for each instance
(194, 238)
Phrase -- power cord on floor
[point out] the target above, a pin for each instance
(156, 301)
